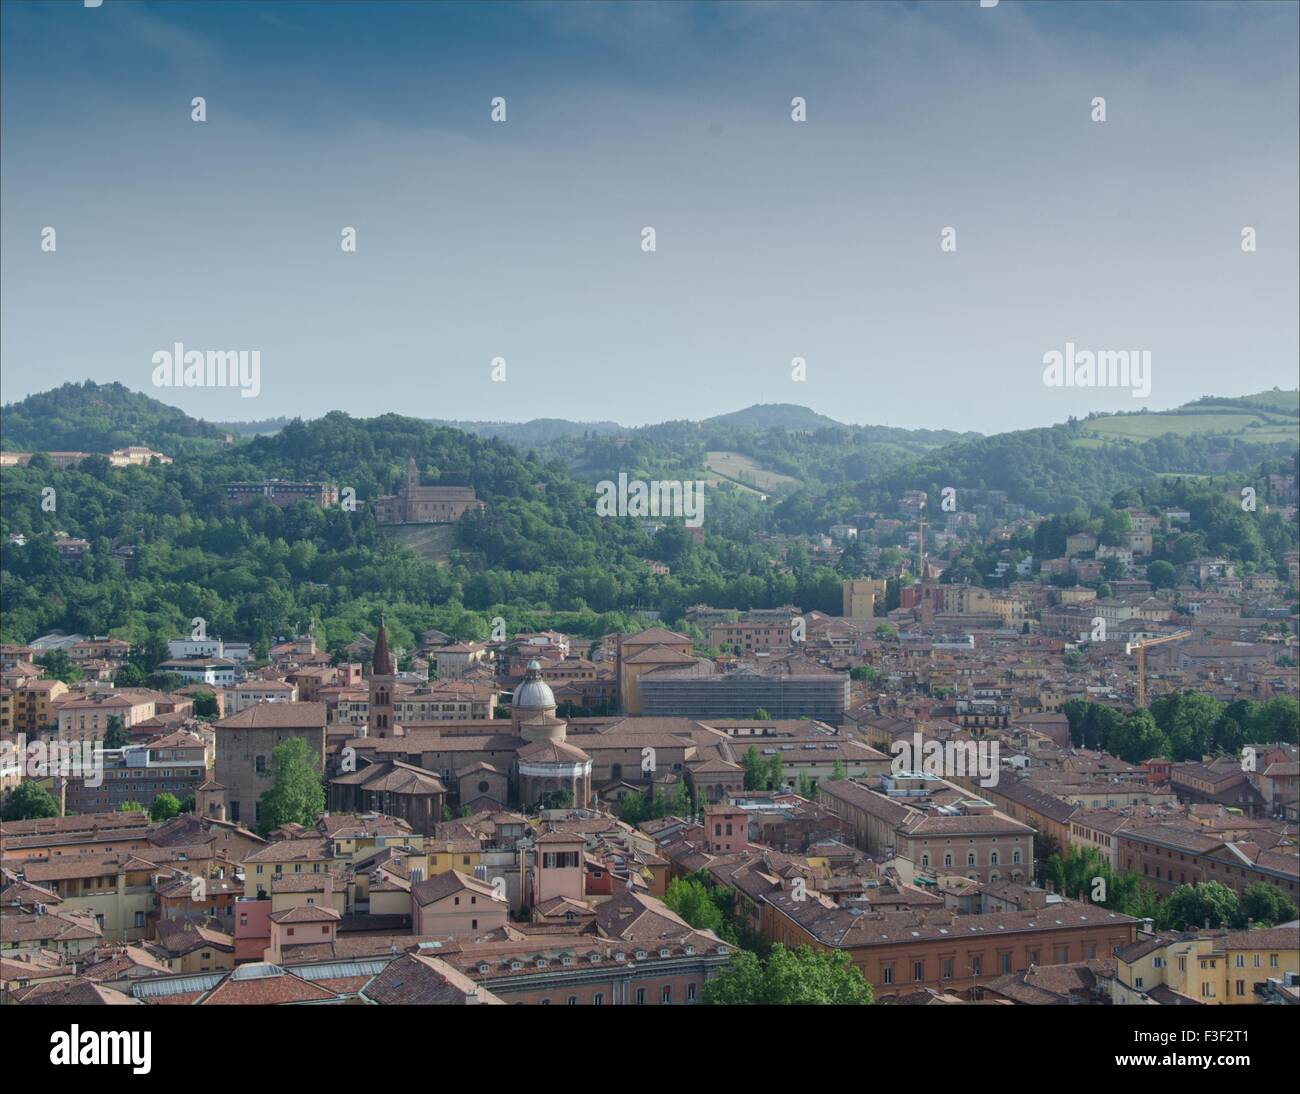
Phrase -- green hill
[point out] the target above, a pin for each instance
(92, 417)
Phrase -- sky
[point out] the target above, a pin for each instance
(479, 241)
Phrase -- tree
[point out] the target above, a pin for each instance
(1264, 906)
(681, 799)
(60, 666)
(129, 676)
(755, 769)
(1161, 574)
(115, 733)
(554, 799)
(795, 977)
(838, 770)
(691, 900)
(776, 772)
(29, 801)
(761, 715)
(165, 806)
(1137, 738)
(1191, 907)
(296, 795)
(130, 807)
(205, 704)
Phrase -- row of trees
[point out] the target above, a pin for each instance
(1182, 726)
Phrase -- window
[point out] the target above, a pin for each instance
(947, 968)
(640, 997)
(598, 1000)
(993, 858)
(889, 974)
(1241, 987)
(1004, 963)
(139, 919)
(573, 1001)
(690, 993)
(1015, 858)
(977, 966)
(666, 996)
(947, 859)
(918, 970)
(925, 860)
(970, 858)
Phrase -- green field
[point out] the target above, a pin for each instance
(1259, 426)
(431, 541)
(743, 470)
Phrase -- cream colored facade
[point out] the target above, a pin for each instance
(1215, 970)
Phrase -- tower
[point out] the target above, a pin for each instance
(920, 546)
(379, 719)
(412, 486)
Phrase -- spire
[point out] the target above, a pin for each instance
(381, 665)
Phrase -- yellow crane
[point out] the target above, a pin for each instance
(1140, 647)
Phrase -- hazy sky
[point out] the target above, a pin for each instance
(775, 239)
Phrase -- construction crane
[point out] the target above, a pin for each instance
(1140, 648)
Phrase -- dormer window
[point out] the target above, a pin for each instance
(595, 958)
(663, 952)
(516, 965)
(541, 962)
(482, 968)
(640, 955)
(689, 949)
(620, 956)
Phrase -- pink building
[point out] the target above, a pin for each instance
(726, 829)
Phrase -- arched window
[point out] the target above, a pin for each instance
(993, 859)
(925, 860)
(947, 859)
(970, 858)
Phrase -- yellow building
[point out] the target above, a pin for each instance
(861, 598)
(1213, 968)
(115, 890)
(31, 705)
(444, 855)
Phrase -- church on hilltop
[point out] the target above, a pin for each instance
(416, 504)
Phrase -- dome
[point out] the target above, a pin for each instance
(534, 693)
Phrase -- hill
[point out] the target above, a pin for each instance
(1264, 418)
(771, 416)
(92, 417)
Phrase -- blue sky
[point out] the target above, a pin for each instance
(775, 240)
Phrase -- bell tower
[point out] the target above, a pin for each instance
(379, 719)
